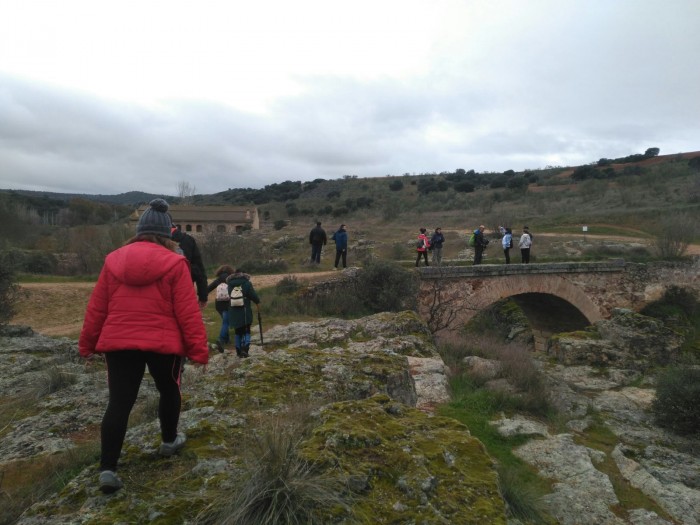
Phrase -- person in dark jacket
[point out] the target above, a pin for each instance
(222, 302)
(190, 250)
(341, 246)
(436, 242)
(143, 313)
(241, 317)
(480, 242)
(317, 240)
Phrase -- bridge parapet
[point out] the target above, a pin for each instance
(499, 270)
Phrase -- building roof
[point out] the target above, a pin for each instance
(201, 214)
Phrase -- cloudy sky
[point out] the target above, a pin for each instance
(113, 96)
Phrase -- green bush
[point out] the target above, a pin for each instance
(384, 286)
(677, 403)
(9, 293)
(288, 285)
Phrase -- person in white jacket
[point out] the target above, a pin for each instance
(525, 243)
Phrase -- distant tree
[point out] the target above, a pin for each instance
(652, 152)
(585, 172)
(396, 185)
(464, 187)
(509, 173)
(677, 232)
(517, 183)
(605, 162)
(499, 181)
(185, 191)
(694, 163)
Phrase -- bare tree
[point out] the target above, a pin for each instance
(185, 191)
(443, 306)
(677, 232)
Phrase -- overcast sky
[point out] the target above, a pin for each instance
(113, 96)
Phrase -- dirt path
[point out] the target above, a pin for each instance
(57, 309)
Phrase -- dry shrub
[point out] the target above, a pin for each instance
(516, 366)
(276, 485)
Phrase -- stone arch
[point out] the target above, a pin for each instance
(537, 285)
(551, 303)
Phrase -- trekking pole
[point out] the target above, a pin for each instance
(260, 324)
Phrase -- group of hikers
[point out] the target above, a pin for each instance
(426, 243)
(479, 241)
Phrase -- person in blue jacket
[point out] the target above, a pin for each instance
(341, 246)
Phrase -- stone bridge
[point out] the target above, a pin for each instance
(556, 297)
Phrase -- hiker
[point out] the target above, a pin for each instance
(317, 240)
(143, 312)
(222, 303)
(242, 293)
(480, 243)
(525, 243)
(507, 243)
(189, 248)
(422, 247)
(436, 242)
(341, 246)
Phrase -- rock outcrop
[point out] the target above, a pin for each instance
(368, 386)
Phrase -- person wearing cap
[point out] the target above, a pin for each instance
(525, 243)
(143, 313)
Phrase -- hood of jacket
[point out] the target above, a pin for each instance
(141, 263)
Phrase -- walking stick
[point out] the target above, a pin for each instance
(260, 324)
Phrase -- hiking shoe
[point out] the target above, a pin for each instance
(168, 449)
(109, 482)
(220, 346)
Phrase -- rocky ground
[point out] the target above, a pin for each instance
(375, 382)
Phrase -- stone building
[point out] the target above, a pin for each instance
(210, 219)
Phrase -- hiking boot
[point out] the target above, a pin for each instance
(220, 346)
(109, 482)
(244, 351)
(168, 449)
(238, 352)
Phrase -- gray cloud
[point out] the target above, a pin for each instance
(556, 84)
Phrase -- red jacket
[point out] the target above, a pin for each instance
(426, 242)
(144, 300)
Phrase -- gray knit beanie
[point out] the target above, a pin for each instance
(155, 220)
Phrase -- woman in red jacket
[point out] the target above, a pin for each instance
(422, 247)
(143, 313)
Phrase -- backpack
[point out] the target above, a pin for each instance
(222, 292)
(237, 296)
(472, 240)
(421, 244)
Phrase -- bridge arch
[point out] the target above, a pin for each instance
(554, 298)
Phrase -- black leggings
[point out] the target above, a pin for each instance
(125, 369)
(423, 254)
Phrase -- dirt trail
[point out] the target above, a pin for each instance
(57, 309)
